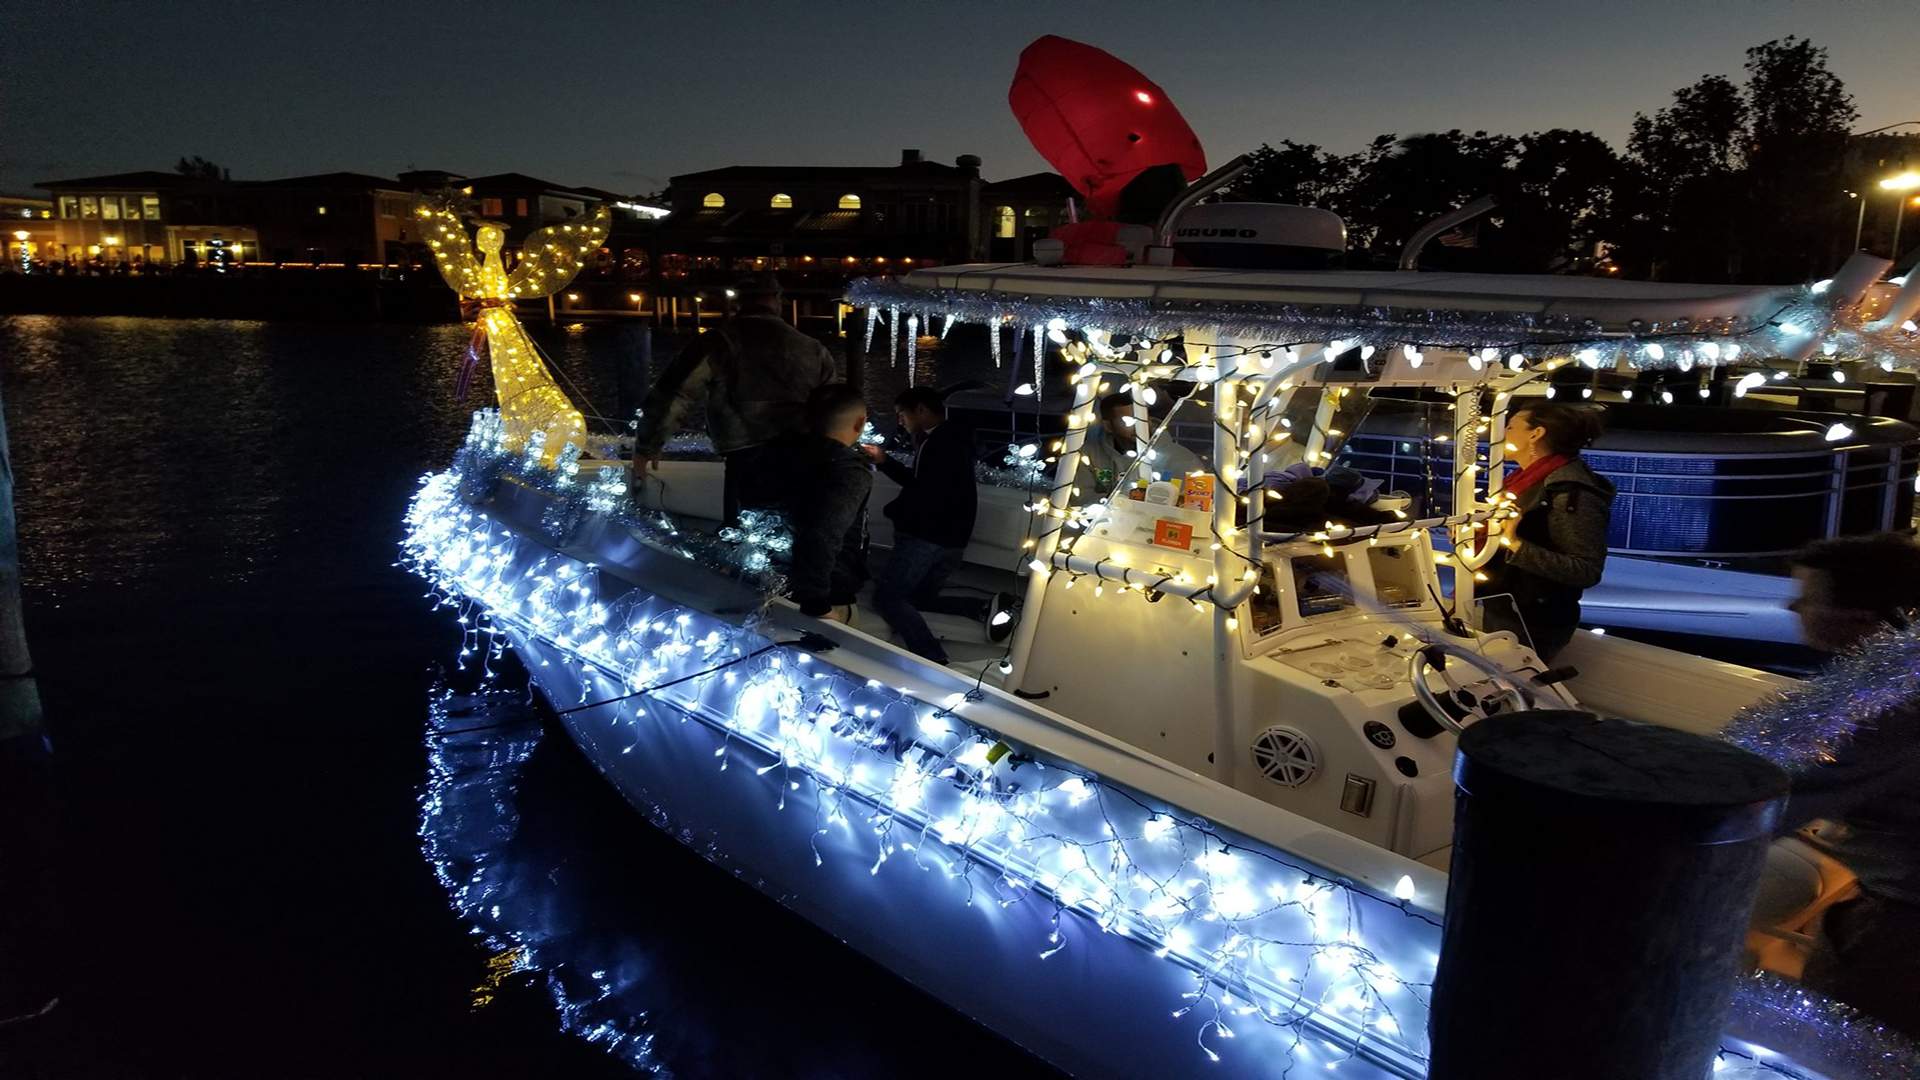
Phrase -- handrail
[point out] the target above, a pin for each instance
(1199, 189)
(1410, 254)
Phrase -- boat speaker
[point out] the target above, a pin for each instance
(1285, 756)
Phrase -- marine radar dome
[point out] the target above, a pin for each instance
(1260, 236)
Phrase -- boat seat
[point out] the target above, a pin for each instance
(1800, 882)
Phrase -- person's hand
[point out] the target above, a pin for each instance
(873, 451)
(840, 613)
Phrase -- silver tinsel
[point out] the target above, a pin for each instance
(1817, 1032)
(1645, 344)
(1808, 724)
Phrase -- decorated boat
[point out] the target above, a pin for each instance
(1197, 808)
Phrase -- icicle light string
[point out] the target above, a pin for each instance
(1181, 904)
(1643, 345)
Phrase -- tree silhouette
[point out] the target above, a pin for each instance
(199, 168)
(1727, 182)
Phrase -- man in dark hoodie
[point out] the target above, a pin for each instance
(932, 521)
(821, 483)
(1557, 547)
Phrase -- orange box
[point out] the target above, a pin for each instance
(1198, 494)
(1174, 534)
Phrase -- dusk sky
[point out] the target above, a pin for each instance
(624, 95)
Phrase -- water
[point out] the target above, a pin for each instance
(240, 685)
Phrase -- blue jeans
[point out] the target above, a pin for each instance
(911, 583)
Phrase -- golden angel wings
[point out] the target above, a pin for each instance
(531, 404)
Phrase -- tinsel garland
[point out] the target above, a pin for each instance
(1817, 1032)
(1677, 343)
(1809, 724)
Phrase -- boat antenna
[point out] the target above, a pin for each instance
(1410, 255)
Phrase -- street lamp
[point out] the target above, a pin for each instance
(1903, 183)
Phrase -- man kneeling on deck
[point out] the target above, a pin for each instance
(932, 522)
(821, 483)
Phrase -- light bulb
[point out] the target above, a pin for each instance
(1838, 431)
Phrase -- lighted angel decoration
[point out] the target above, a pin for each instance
(529, 399)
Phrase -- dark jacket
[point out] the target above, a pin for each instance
(1872, 788)
(937, 495)
(755, 371)
(822, 487)
(1563, 548)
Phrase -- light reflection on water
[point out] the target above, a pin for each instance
(235, 674)
(513, 892)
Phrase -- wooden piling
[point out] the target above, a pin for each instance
(1602, 875)
(28, 901)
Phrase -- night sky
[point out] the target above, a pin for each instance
(624, 95)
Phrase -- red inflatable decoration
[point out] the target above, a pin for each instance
(1097, 121)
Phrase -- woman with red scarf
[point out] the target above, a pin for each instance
(1555, 549)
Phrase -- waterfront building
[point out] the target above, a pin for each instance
(1019, 211)
(147, 218)
(332, 220)
(27, 223)
(818, 225)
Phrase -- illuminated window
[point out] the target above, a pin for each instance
(150, 206)
(849, 202)
(713, 200)
(69, 207)
(490, 207)
(110, 207)
(131, 210)
(520, 208)
(89, 206)
(1003, 222)
(781, 202)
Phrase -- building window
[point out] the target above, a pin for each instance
(781, 202)
(89, 206)
(131, 209)
(519, 208)
(849, 202)
(490, 207)
(713, 200)
(150, 205)
(69, 207)
(1003, 223)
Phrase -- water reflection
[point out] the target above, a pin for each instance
(516, 893)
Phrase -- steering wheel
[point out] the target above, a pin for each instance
(1515, 693)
